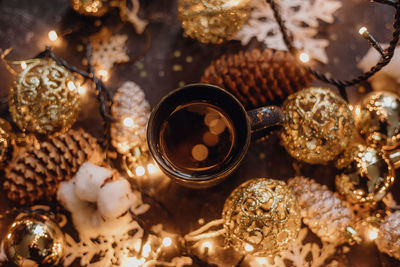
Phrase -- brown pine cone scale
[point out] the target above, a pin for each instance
(35, 173)
(258, 78)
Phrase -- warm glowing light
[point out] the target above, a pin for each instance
(206, 245)
(82, 90)
(103, 74)
(362, 30)
(248, 247)
(151, 168)
(23, 65)
(9, 236)
(262, 261)
(128, 122)
(53, 35)
(372, 233)
(140, 171)
(304, 57)
(167, 241)
(134, 262)
(71, 86)
(38, 230)
(146, 250)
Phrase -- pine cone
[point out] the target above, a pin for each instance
(258, 78)
(132, 112)
(388, 240)
(35, 173)
(322, 210)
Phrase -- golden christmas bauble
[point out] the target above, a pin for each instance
(367, 175)
(34, 240)
(6, 136)
(319, 125)
(261, 217)
(95, 8)
(377, 118)
(212, 21)
(44, 98)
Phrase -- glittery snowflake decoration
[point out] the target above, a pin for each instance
(301, 18)
(300, 254)
(108, 49)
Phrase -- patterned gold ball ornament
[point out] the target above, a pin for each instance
(95, 8)
(377, 118)
(6, 137)
(367, 175)
(44, 98)
(212, 21)
(261, 217)
(34, 240)
(319, 125)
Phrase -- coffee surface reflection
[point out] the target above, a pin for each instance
(197, 137)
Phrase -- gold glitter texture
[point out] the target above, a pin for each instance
(261, 217)
(212, 21)
(44, 98)
(319, 125)
(95, 8)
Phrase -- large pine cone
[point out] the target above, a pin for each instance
(35, 173)
(258, 78)
(322, 210)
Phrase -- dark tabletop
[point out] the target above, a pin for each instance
(24, 25)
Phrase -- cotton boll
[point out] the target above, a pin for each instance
(114, 198)
(89, 179)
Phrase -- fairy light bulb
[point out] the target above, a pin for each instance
(167, 241)
(146, 250)
(128, 122)
(103, 74)
(248, 247)
(53, 36)
(206, 246)
(71, 86)
(304, 57)
(372, 233)
(151, 168)
(362, 30)
(140, 171)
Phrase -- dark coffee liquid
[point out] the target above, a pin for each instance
(197, 137)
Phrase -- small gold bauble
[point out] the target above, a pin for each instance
(367, 175)
(377, 118)
(34, 240)
(44, 98)
(95, 8)
(212, 21)
(261, 217)
(319, 125)
(6, 136)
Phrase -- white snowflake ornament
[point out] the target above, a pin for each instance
(108, 49)
(301, 18)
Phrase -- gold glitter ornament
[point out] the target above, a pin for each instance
(95, 8)
(34, 240)
(44, 98)
(261, 217)
(212, 21)
(367, 175)
(6, 136)
(319, 125)
(377, 118)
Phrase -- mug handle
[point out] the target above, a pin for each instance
(265, 117)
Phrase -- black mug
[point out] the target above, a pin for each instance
(199, 134)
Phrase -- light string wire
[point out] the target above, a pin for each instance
(341, 85)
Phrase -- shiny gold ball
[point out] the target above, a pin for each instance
(44, 98)
(95, 8)
(367, 175)
(6, 136)
(212, 21)
(377, 118)
(34, 240)
(319, 125)
(261, 217)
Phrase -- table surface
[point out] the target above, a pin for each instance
(24, 25)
